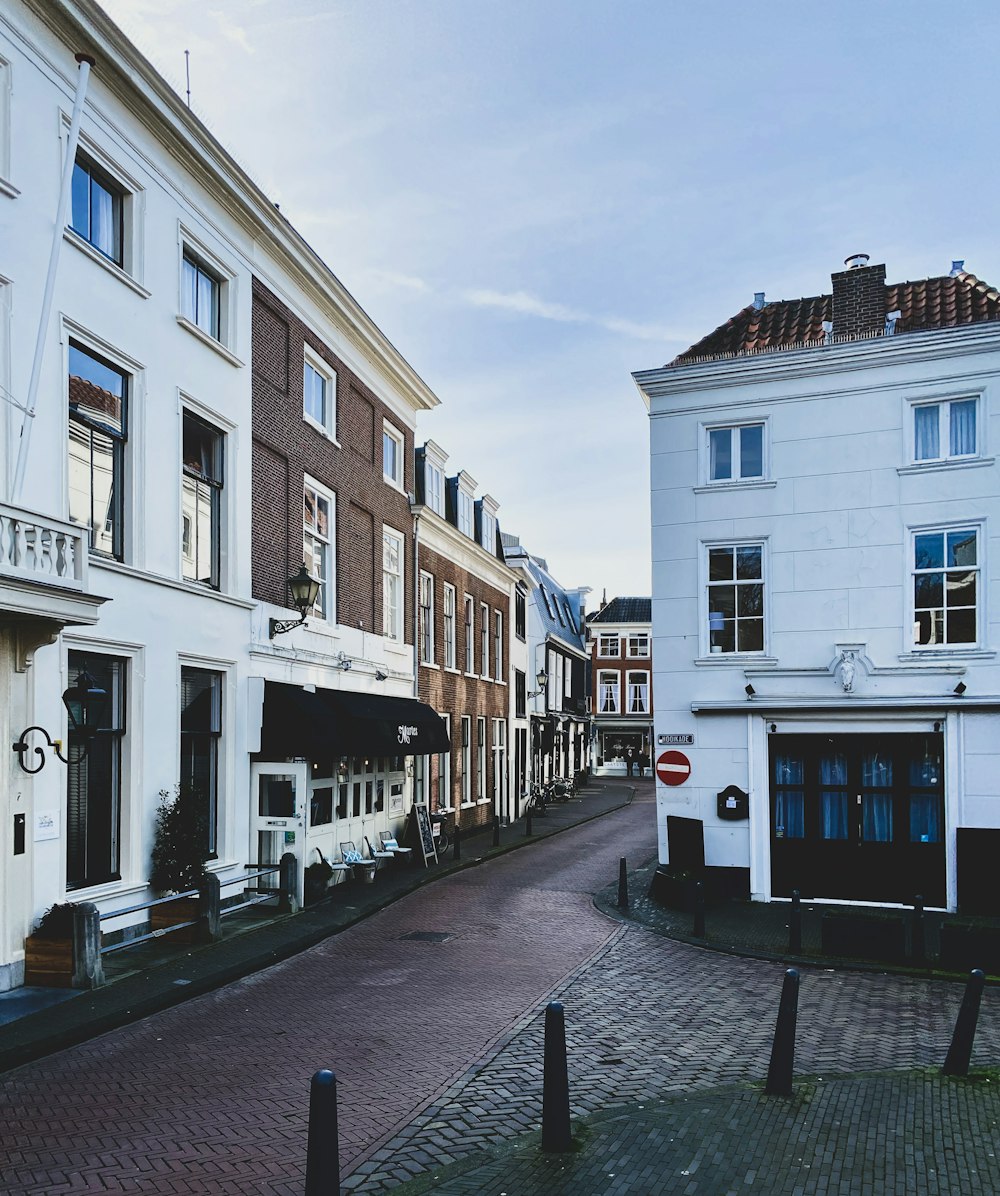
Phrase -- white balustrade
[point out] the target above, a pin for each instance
(42, 549)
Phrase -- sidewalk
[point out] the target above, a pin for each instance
(155, 975)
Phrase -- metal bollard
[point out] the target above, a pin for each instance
(919, 943)
(323, 1151)
(622, 884)
(457, 853)
(795, 924)
(698, 930)
(556, 1133)
(527, 822)
(960, 1052)
(779, 1073)
(496, 830)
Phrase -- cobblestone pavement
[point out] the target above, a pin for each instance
(648, 1017)
(212, 1096)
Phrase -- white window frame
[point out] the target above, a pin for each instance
(225, 278)
(434, 487)
(944, 409)
(487, 530)
(426, 619)
(637, 690)
(469, 611)
(328, 375)
(466, 514)
(449, 600)
(393, 601)
(325, 609)
(484, 640)
(635, 642)
(498, 645)
(392, 435)
(467, 760)
(735, 430)
(609, 684)
(223, 430)
(444, 769)
(499, 754)
(707, 585)
(605, 641)
(6, 83)
(480, 759)
(978, 530)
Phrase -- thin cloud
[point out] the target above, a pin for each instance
(530, 305)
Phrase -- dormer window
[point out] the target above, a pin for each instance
(434, 487)
(465, 513)
(489, 532)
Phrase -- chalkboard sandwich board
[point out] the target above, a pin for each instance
(420, 834)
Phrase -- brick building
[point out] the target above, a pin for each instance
(621, 661)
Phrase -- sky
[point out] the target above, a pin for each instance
(533, 198)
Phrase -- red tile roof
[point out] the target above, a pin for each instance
(945, 302)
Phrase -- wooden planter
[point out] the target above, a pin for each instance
(48, 963)
(181, 909)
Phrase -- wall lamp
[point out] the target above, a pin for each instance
(380, 676)
(85, 704)
(960, 688)
(541, 681)
(303, 591)
(749, 690)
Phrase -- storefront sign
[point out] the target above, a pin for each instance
(406, 734)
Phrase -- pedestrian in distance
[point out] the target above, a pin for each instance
(643, 763)
(630, 759)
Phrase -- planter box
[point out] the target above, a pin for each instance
(673, 892)
(860, 936)
(48, 963)
(966, 947)
(181, 909)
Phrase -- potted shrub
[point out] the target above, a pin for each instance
(317, 878)
(180, 849)
(48, 950)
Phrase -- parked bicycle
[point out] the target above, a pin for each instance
(443, 833)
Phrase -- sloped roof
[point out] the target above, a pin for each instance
(945, 302)
(624, 610)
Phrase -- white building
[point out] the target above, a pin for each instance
(825, 512)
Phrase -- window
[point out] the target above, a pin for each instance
(444, 771)
(484, 639)
(488, 530)
(426, 618)
(608, 645)
(470, 631)
(319, 394)
(736, 598)
(392, 585)
(499, 761)
(638, 645)
(434, 487)
(520, 695)
(201, 501)
(392, 455)
(569, 617)
(5, 187)
(97, 209)
(736, 454)
(94, 782)
(638, 693)
(520, 614)
(945, 587)
(317, 545)
(98, 430)
(201, 731)
(944, 431)
(480, 759)
(201, 295)
(498, 645)
(465, 513)
(449, 626)
(546, 600)
(466, 759)
(608, 685)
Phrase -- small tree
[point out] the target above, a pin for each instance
(180, 848)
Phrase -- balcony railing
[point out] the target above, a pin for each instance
(39, 548)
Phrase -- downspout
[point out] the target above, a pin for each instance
(86, 62)
(416, 598)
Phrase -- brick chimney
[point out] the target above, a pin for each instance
(858, 298)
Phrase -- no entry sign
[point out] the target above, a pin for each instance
(673, 768)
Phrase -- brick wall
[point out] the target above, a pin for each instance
(622, 665)
(859, 301)
(286, 448)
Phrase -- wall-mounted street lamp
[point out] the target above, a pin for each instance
(541, 680)
(85, 704)
(303, 591)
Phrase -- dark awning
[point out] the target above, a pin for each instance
(327, 723)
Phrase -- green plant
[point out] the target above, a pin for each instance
(56, 922)
(180, 847)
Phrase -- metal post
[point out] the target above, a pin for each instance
(323, 1150)
(457, 852)
(209, 928)
(919, 942)
(698, 930)
(795, 924)
(527, 822)
(622, 884)
(556, 1133)
(779, 1073)
(960, 1052)
(288, 882)
(496, 830)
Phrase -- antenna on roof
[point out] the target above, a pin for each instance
(187, 72)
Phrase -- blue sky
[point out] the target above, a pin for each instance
(534, 199)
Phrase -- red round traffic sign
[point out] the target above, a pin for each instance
(673, 768)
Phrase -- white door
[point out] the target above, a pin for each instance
(277, 823)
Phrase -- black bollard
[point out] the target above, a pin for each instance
(622, 884)
(457, 853)
(323, 1151)
(556, 1134)
(960, 1052)
(795, 924)
(919, 946)
(698, 931)
(779, 1073)
(496, 830)
(527, 821)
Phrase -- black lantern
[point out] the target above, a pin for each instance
(303, 591)
(85, 704)
(541, 680)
